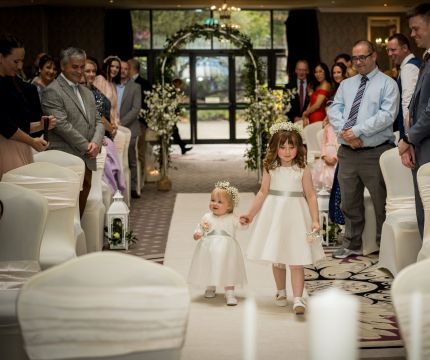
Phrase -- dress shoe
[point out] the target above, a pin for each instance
(135, 195)
(185, 149)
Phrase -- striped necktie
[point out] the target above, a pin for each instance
(352, 118)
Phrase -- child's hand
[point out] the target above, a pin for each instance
(245, 219)
(330, 161)
(197, 236)
(315, 226)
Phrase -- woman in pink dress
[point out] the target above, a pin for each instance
(319, 96)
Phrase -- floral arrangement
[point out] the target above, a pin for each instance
(285, 126)
(267, 107)
(205, 226)
(231, 190)
(163, 109)
(130, 236)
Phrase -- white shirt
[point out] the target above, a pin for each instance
(408, 77)
(75, 88)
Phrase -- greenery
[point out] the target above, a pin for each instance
(130, 237)
(267, 107)
(191, 33)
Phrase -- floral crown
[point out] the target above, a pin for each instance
(285, 126)
(232, 191)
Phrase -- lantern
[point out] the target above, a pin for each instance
(117, 219)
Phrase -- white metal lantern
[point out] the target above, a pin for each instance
(117, 219)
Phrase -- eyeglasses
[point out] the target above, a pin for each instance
(360, 58)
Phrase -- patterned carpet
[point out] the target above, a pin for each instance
(358, 275)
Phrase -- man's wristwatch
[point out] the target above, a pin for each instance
(406, 140)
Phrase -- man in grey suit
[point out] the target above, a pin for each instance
(79, 128)
(129, 102)
(416, 142)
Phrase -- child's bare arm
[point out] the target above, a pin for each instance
(258, 201)
(311, 198)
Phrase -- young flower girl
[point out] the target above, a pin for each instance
(285, 232)
(218, 259)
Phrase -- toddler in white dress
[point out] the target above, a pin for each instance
(288, 214)
(217, 259)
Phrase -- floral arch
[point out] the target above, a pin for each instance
(258, 127)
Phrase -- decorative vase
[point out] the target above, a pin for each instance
(164, 184)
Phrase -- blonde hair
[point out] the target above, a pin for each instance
(272, 161)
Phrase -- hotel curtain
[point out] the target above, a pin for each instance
(118, 33)
(303, 39)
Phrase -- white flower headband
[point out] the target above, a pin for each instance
(110, 57)
(232, 191)
(285, 126)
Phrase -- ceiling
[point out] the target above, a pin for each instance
(322, 5)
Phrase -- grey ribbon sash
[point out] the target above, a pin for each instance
(286, 193)
(218, 232)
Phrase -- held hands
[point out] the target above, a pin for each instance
(93, 150)
(197, 236)
(39, 144)
(245, 219)
(408, 158)
(330, 160)
(351, 139)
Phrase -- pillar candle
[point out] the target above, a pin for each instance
(249, 329)
(333, 326)
(416, 326)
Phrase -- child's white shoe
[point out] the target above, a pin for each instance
(299, 306)
(210, 292)
(230, 299)
(281, 298)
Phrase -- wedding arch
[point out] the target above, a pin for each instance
(253, 74)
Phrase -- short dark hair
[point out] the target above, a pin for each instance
(369, 44)
(8, 42)
(401, 39)
(419, 10)
(46, 59)
(344, 56)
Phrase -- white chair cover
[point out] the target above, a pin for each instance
(126, 170)
(103, 304)
(21, 228)
(423, 179)
(93, 218)
(76, 164)
(60, 186)
(320, 136)
(310, 138)
(400, 239)
(413, 279)
(369, 232)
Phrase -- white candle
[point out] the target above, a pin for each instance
(416, 326)
(333, 326)
(249, 329)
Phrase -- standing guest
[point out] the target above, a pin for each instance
(106, 83)
(362, 116)
(400, 53)
(300, 102)
(414, 147)
(319, 96)
(129, 100)
(346, 60)
(47, 73)
(177, 83)
(18, 116)
(79, 128)
(112, 172)
(145, 85)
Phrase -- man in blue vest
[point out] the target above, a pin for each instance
(399, 51)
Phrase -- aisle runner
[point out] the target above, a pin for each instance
(359, 275)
